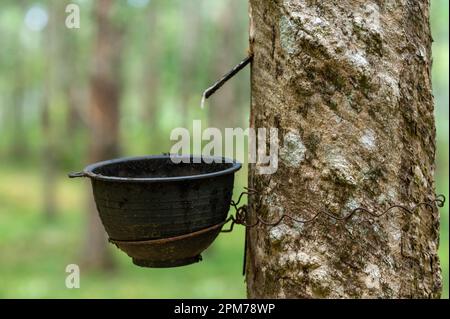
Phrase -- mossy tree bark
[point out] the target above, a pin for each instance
(347, 84)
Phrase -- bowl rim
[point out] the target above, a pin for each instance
(88, 171)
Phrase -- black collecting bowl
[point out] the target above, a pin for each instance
(141, 199)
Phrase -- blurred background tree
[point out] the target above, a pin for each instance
(116, 87)
(104, 117)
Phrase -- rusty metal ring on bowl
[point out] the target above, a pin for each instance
(172, 251)
(169, 239)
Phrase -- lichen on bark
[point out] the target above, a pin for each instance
(348, 85)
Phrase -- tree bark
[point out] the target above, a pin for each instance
(104, 117)
(347, 84)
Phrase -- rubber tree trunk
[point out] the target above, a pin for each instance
(104, 119)
(348, 86)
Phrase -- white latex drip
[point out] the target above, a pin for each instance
(202, 103)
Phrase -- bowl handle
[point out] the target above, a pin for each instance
(77, 174)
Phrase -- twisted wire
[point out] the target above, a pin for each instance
(240, 217)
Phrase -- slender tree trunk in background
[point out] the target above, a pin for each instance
(69, 74)
(75, 95)
(189, 55)
(19, 147)
(48, 161)
(223, 104)
(75, 99)
(151, 77)
(48, 155)
(104, 116)
(348, 86)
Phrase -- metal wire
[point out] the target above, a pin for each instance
(241, 215)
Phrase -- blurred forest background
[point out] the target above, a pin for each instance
(116, 87)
